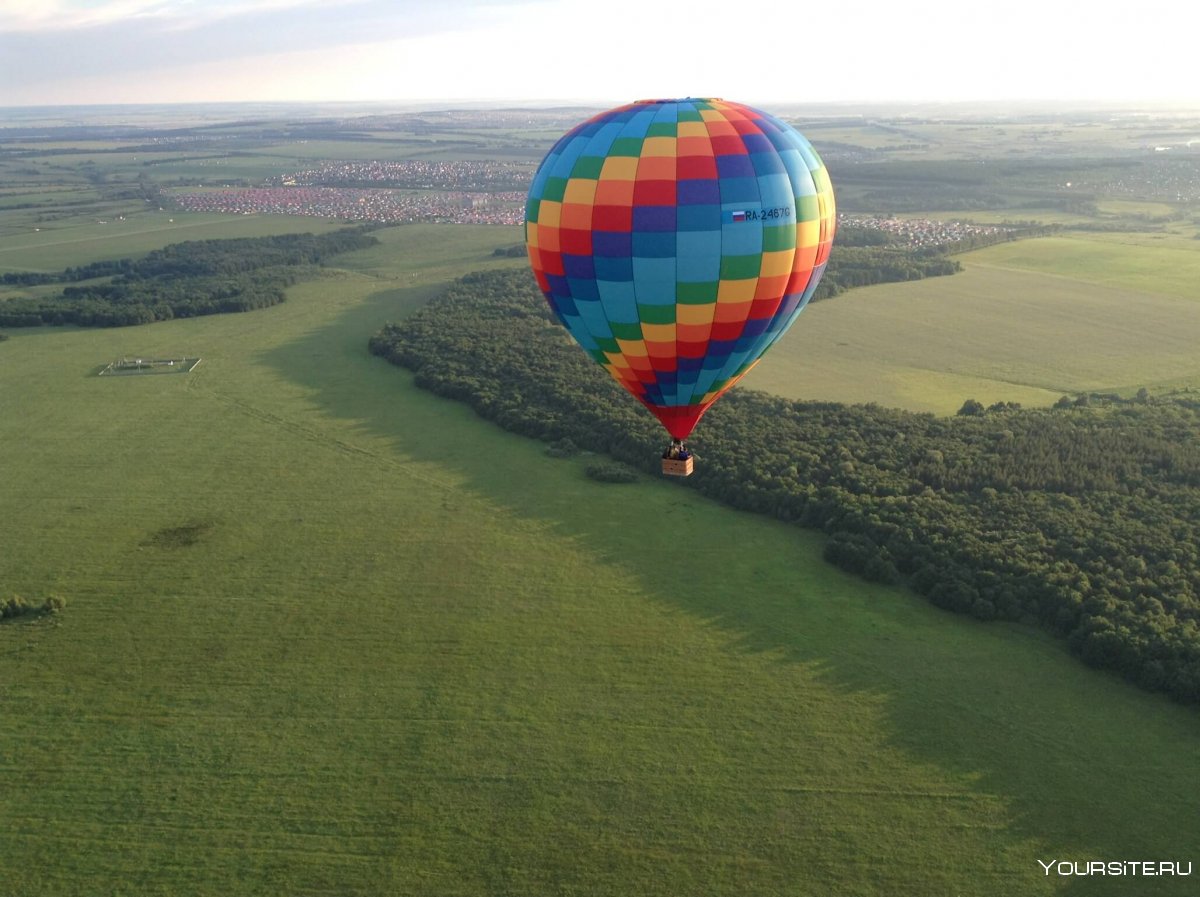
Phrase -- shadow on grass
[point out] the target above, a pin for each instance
(1087, 767)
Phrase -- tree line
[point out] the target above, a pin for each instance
(1081, 518)
(182, 280)
(861, 266)
(863, 256)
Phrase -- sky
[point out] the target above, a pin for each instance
(67, 52)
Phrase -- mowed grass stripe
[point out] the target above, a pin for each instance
(412, 655)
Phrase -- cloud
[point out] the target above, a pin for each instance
(146, 39)
(81, 51)
(67, 15)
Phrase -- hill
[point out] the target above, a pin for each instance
(1080, 518)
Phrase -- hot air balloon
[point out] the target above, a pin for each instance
(676, 240)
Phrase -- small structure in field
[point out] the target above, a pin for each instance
(130, 364)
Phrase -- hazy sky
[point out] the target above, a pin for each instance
(782, 51)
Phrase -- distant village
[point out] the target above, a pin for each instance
(466, 175)
(467, 192)
(363, 204)
(921, 233)
(461, 192)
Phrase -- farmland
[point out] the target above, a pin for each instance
(403, 644)
(327, 633)
(1155, 264)
(991, 333)
(45, 249)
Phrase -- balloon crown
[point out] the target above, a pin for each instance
(678, 100)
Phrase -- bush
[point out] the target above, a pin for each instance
(16, 606)
(562, 448)
(610, 472)
(54, 604)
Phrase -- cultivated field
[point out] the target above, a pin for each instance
(1027, 322)
(328, 634)
(55, 247)
(1149, 263)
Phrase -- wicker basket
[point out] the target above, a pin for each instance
(673, 467)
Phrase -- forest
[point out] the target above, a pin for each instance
(1070, 184)
(1082, 519)
(860, 266)
(182, 280)
(864, 257)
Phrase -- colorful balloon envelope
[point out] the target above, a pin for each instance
(677, 240)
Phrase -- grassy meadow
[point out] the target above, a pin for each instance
(328, 634)
(1148, 263)
(53, 248)
(1027, 321)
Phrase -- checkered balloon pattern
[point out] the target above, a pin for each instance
(677, 240)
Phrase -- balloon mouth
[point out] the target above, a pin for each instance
(679, 420)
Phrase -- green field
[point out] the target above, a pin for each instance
(328, 634)
(939, 132)
(1151, 263)
(1002, 330)
(1134, 209)
(52, 248)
